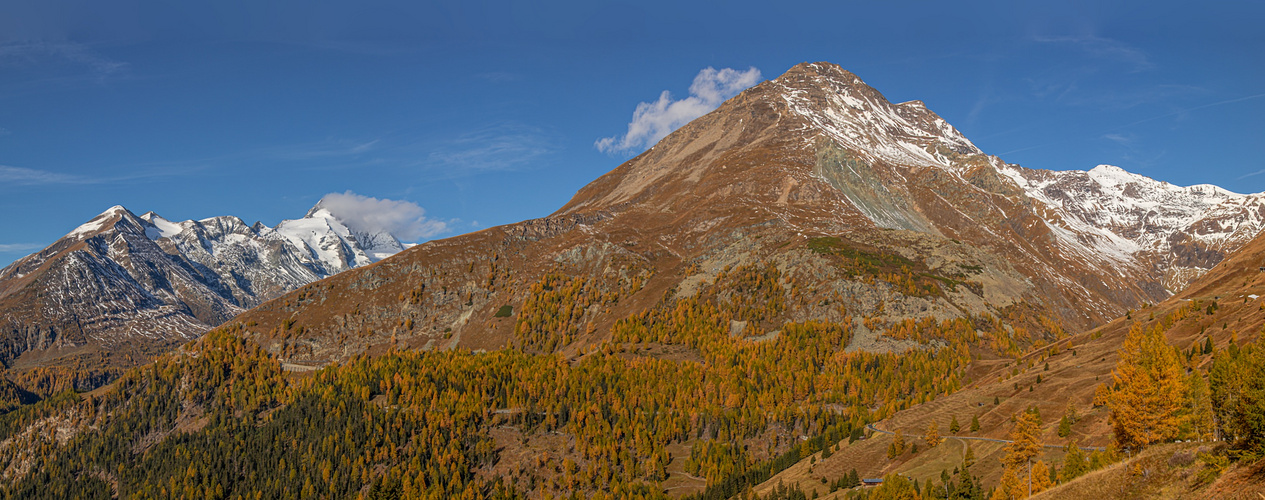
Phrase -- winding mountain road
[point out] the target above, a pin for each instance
(972, 438)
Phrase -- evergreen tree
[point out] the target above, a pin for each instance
(1065, 427)
(1198, 420)
(1074, 463)
(974, 423)
(954, 427)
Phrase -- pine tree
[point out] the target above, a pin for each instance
(1074, 463)
(1149, 390)
(954, 427)
(1197, 419)
(975, 423)
(1065, 427)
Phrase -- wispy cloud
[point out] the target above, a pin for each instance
(404, 219)
(653, 121)
(1029, 148)
(1104, 48)
(1184, 111)
(19, 247)
(32, 53)
(1120, 139)
(324, 149)
(1253, 174)
(19, 176)
(985, 98)
(497, 147)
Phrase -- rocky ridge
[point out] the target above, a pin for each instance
(121, 281)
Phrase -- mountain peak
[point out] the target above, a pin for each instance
(316, 209)
(101, 221)
(825, 69)
(858, 117)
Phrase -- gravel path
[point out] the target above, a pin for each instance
(972, 438)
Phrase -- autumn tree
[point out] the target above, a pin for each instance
(1011, 487)
(897, 448)
(1040, 477)
(954, 426)
(1149, 391)
(933, 435)
(1025, 440)
(974, 423)
(895, 487)
(1025, 444)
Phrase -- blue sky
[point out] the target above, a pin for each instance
(485, 113)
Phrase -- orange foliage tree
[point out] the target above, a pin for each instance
(1149, 392)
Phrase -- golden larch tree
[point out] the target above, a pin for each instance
(1149, 392)
(933, 435)
(1026, 440)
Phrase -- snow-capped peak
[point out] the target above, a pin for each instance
(858, 117)
(97, 223)
(377, 243)
(1133, 213)
(160, 227)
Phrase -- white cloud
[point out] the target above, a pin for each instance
(29, 176)
(653, 121)
(404, 219)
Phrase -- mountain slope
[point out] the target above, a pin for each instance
(870, 210)
(1225, 304)
(132, 285)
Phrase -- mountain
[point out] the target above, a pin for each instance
(122, 287)
(870, 211)
(789, 276)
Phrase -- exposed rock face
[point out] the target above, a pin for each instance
(125, 283)
(796, 172)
